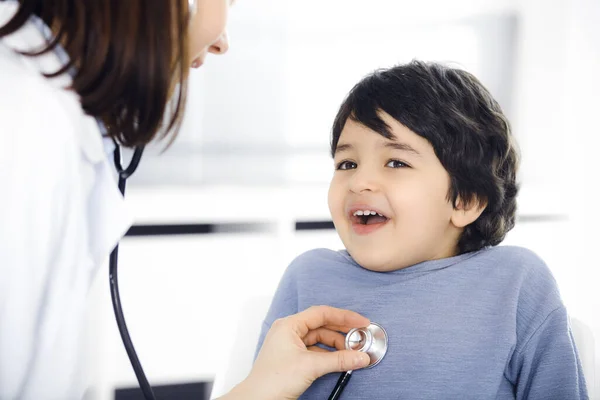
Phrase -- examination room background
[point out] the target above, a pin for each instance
(242, 191)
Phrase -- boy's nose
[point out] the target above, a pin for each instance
(364, 181)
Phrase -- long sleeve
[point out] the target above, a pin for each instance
(548, 366)
(35, 219)
(60, 215)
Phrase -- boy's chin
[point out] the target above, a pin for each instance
(378, 262)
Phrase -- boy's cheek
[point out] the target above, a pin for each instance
(419, 199)
(335, 200)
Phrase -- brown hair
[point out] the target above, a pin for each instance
(130, 56)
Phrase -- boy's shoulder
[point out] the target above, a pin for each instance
(515, 252)
(529, 273)
(320, 257)
(320, 262)
(516, 259)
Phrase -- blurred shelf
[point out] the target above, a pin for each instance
(241, 204)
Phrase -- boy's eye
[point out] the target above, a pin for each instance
(346, 165)
(396, 164)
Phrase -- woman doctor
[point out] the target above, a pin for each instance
(74, 77)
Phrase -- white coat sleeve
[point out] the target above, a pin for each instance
(35, 216)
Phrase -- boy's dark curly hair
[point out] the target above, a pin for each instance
(466, 127)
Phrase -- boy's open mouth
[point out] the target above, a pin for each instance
(368, 217)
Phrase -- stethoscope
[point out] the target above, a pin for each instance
(372, 340)
(123, 174)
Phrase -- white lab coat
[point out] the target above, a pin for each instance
(60, 216)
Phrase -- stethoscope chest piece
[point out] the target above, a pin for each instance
(372, 340)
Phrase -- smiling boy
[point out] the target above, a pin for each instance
(424, 189)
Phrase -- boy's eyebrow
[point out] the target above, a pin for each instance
(343, 147)
(402, 146)
(392, 145)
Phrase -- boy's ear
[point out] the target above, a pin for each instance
(467, 212)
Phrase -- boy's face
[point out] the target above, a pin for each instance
(401, 179)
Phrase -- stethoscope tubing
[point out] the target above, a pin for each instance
(340, 385)
(125, 173)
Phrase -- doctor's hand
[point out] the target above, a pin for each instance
(288, 362)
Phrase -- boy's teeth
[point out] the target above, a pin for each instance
(366, 212)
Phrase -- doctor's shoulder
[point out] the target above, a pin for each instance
(34, 113)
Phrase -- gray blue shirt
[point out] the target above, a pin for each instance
(483, 325)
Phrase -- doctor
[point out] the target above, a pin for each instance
(121, 67)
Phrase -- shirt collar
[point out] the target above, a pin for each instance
(425, 266)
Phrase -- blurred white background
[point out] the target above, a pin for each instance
(254, 149)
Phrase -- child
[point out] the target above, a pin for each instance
(423, 191)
